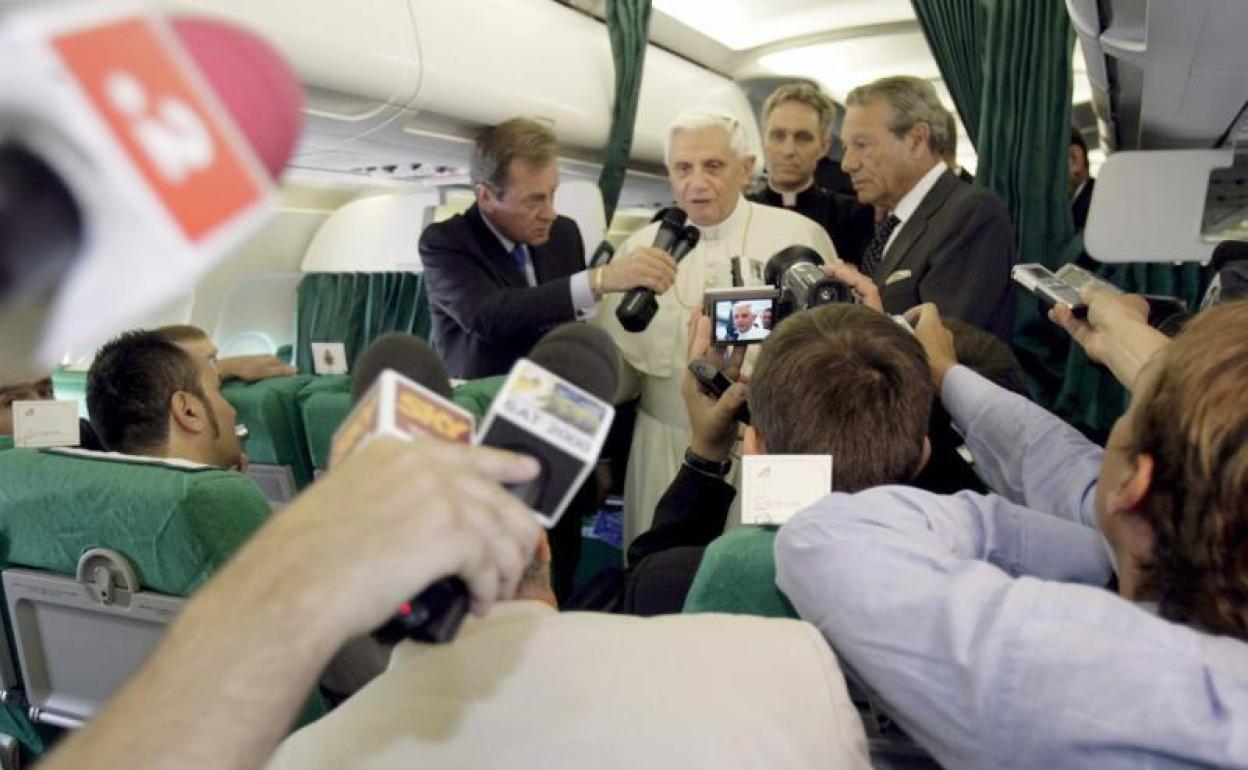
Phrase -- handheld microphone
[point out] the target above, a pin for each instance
(639, 305)
(556, 407)
(400, 388)
(164, 167)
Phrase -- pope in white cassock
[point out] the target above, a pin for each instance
(709, 163)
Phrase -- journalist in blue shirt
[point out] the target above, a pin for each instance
(981, 622)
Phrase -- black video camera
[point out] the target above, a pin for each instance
(745, 315)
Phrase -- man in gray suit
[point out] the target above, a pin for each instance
(943, 241)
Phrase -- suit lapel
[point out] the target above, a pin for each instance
(493, 258)
(916, 225)
(556, 258)
(541, 261)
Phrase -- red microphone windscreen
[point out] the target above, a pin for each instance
(254, 83)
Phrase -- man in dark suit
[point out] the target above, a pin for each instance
(943, 241)
(797, 126)
(1081, 181)
(510, 269)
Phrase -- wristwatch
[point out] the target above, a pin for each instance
(700, 464)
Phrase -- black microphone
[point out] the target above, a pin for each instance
(556, 407)
(639, 305)
(41, 226)
(434, 615)
(410, 356)
(583, 355)
(670, 229)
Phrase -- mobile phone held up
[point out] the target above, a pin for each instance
(1051, 290)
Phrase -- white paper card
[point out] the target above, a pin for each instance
(774, 487)
(329, 358)
(45, 423)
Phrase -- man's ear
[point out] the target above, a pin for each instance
(752, 442)
(1128, 492)
(920, 135)
(825, 145)
(926, 456)
(187, 412)
(485, 196)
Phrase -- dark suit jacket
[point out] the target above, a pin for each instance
(485, 315)
(849, 223)
(663, 560)
(1079, 206)
(958, 247)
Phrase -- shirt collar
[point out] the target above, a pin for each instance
(789, 199)
(1079, 190)
(734, 222)
(911, 200)
(507, 243)
(174, 462)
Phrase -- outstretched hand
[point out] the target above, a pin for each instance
(936, 339)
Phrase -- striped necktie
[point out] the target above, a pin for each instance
(874, 255)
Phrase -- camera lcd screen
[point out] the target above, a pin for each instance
(739, 321)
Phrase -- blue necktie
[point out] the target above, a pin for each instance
(517, 256)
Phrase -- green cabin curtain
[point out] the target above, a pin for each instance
(1090, 398)
(355, 309)
(1023, 140)
(1007, 66)
(628, 23)
(954, 32)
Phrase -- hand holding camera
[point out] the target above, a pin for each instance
(714, 391)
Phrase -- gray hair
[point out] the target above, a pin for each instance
(807, 94)
(524, 138)
(701, 117)
(914, 100)
(948, 149)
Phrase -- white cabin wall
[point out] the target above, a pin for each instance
(278, 247)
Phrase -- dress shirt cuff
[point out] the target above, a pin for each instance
(963, 394)
(583, 297)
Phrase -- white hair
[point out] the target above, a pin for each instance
(700, 117)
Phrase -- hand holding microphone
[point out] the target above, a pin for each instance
(430, 509)
(555, 407)
(674, 237)
(647, 268)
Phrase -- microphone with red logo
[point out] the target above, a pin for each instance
(130, 145)
(400, 388)
(554, 406)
